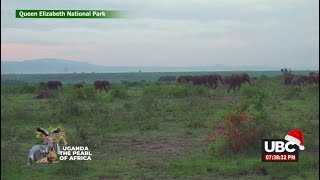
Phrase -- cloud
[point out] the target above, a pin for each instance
(15, 51)
(18, 51)
(164, 32)
(137, 31)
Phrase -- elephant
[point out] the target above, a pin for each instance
(199, 80)
(313, 78)
(291, 79)
(54, 85)
(226, 79)
(287, 76)
(236, 79)
(102, 85)
(296, 81)
(287, 79)
(78, 85)
(183, 79)
(207, 80)
(243, 76)
(213, 79)
(304, 80)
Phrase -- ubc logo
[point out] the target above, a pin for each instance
(279, 146)
(283, 150)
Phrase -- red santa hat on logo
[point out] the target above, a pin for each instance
(296, 136)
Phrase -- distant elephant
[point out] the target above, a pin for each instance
(102, 85)
(204, 79)
(199, 80)
(79, 85)
(236, 79)
(244, 77)
(304, 79)
(296, 81)
(287, 76)
(213, 79)
(287, 79)
(54, 85)
(313, 78)
(226, 79)
(183, 79)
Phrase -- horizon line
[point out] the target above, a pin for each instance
(272, 67)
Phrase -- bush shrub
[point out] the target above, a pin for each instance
(314, 88)
(72, 107)
(290, 92)
(242, 132)
(68, 106)
(247, 125)
(248, 90)
(27, 89)
(8, 89)
(119, 92)
(86, 93)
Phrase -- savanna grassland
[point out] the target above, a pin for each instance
(159, 130)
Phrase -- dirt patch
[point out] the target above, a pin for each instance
(45, 95)
(202, 100)
(213, 100)
(160, 144)
(163, 144)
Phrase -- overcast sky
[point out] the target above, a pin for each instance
(282, 33)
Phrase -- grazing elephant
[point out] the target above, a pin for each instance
(296, 81)
(204, 79)
(287, 79)
(213, 79)
(313, 78)
(287, 76)
(304, 79)
(180, 79)
(102, 85)
(54, 85)
(183, 79)
(236, 79)
(79, 85)
(244, 77)
(198, 80)
(226, 79)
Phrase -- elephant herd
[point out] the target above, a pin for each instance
(234, 80)
(55, 85)
(299, 80)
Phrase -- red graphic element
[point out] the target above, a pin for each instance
(296, 136)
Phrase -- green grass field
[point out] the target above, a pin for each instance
(158, 130)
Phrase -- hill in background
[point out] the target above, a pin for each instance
(51, 65)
